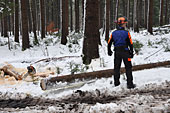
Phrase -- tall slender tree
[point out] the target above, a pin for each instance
(91, 34)
(65, 22)
(161, 12)
(71, 15)
(128, 12)
(42, 7)
(150, 16)
(5, 18)
(34, 20)
(16, 21)
(25, 35)
(111, 14)
(166, 11)
(116, 9)
(135, 16)
(77, 25)
(145, 12)
(107, 19)
(29, 16)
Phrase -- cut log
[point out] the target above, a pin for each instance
(103, 73)
(11, 72)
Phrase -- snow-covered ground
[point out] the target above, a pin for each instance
(21, 59)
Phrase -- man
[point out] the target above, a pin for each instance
(123, 47)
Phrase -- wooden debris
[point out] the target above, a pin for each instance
(11, 72)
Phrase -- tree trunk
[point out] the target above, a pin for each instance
(161, 12)
(5, 26)
(65, 22)
(107, 19)
(42, 6)
(29, 16)
(116, 10)
(128, 13)
(71, 15)
(91, 34)
(111, 14)
(77, 16)
(166, 12)
(34, 20)
(25, 36)
(103, 73)
(58, 14)
(150, 15)
(2, 25)
(102, 13)
(140, 7)
(16, 21)
(82, 14)
(5, 18)
(135, 16)
(145, 12)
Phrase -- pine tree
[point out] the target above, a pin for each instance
(77, 16)
(91, 34)
(65, 22)
(25, 35)
(16, 21)
(42, 7)
(150, 15)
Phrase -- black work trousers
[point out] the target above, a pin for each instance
(118, 57)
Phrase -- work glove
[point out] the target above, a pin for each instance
(110, 52)
(131, 54)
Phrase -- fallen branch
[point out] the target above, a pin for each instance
(53, 58)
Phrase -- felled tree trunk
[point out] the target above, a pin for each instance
(104, 73)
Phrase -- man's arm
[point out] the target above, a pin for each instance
(130, 44)
(110, 41)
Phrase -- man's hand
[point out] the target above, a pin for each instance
(131, 54)
(110, 52)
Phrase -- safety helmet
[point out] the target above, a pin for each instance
(122, 20)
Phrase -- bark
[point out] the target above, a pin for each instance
(42, 7)
(2, 26)
(116, 10)
(128, 13)
(103, 73)
(166, 12)
(5, 18)
(58, 14)
(135, 16)
(82, 14)
(111, 14)
(102, 13)
(91, 34)
(161, 12)
(77, 16)
(16, 21)
(145, 12)
(34, 20)
(29, 16)
(150, 17)
(25, 36)
(107, 19)
(140, 17)
(65, 22)
(71, 15)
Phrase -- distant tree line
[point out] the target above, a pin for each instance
(21, 17)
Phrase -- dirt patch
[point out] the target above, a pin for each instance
(151, 95)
